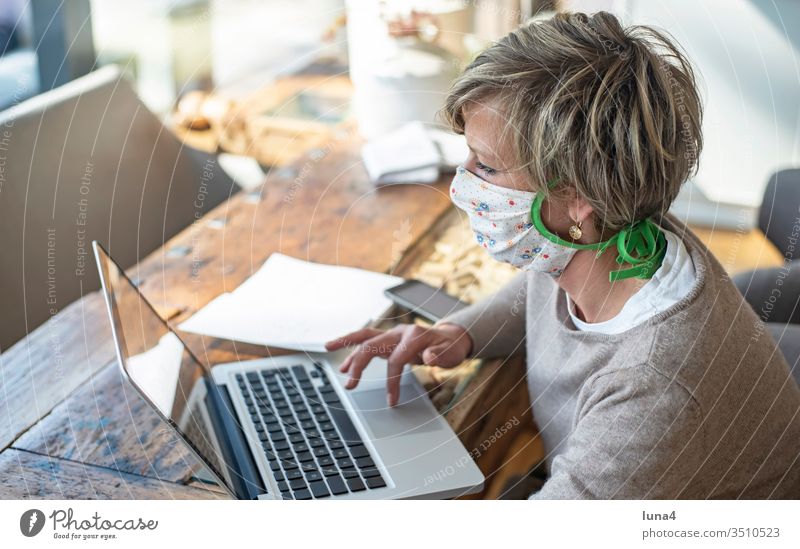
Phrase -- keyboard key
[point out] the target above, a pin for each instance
(326, 426)
(322, 452)
(285, 454)
(299, 372)
(369, 473)
(345, 425)
(359, 451)
(305, 456)
(301, 447)
(289, 465)
(314, 373)
(312, 476)
(365, 462)
(336, 444)
(345, 463)
(376, 482)
(350, 473)
(330, 471)
(294, 474)
(336, 484)
(309, 466)
(308, 425)
(303, 416)
(283, 486)
(302, 494)
(316, 442)
(297, 484)
(355, 485)
(341, 453)
(276, 437)
(319, 489)
(325, 461)
(294, 439)
(281, 445)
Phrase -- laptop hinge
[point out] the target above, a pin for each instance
(242, 471)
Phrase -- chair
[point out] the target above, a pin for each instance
(88, 161)
(774, 293)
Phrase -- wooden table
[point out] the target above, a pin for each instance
(67, 426)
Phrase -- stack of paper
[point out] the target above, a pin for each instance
(295, 304)
(412, 154)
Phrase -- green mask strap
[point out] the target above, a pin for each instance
(642, 245)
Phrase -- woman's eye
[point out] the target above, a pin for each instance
(486, 169)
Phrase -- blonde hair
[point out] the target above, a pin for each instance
(613, 112)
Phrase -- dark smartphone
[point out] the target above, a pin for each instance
(424, 300)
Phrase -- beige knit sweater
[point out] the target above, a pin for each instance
(697, 402)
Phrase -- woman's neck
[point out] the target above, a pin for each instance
(585, 280)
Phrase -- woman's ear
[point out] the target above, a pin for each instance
(579, 209)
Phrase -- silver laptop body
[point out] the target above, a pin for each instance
(284, 427)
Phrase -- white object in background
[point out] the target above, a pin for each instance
(156, 371)
(421, 175)
(295, 304)
(693, 207)
(244, 170)
(452, 148)
(396, 153)
(394, 80)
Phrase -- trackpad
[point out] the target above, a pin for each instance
(412, 415)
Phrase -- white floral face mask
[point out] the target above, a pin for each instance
(508, 224)
(501, 220)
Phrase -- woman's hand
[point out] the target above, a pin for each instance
(445, 345)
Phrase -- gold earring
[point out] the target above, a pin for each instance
(575, 231)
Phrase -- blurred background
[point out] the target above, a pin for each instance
(155, 94)
(745, 51)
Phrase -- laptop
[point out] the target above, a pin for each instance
(284, 427)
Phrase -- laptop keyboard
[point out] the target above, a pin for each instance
(307, 435)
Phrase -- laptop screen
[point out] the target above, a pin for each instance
(158, 364)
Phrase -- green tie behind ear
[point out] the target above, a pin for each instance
(642, 244)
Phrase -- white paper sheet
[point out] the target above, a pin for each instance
(295, 304)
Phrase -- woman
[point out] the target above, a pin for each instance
(648, 374)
